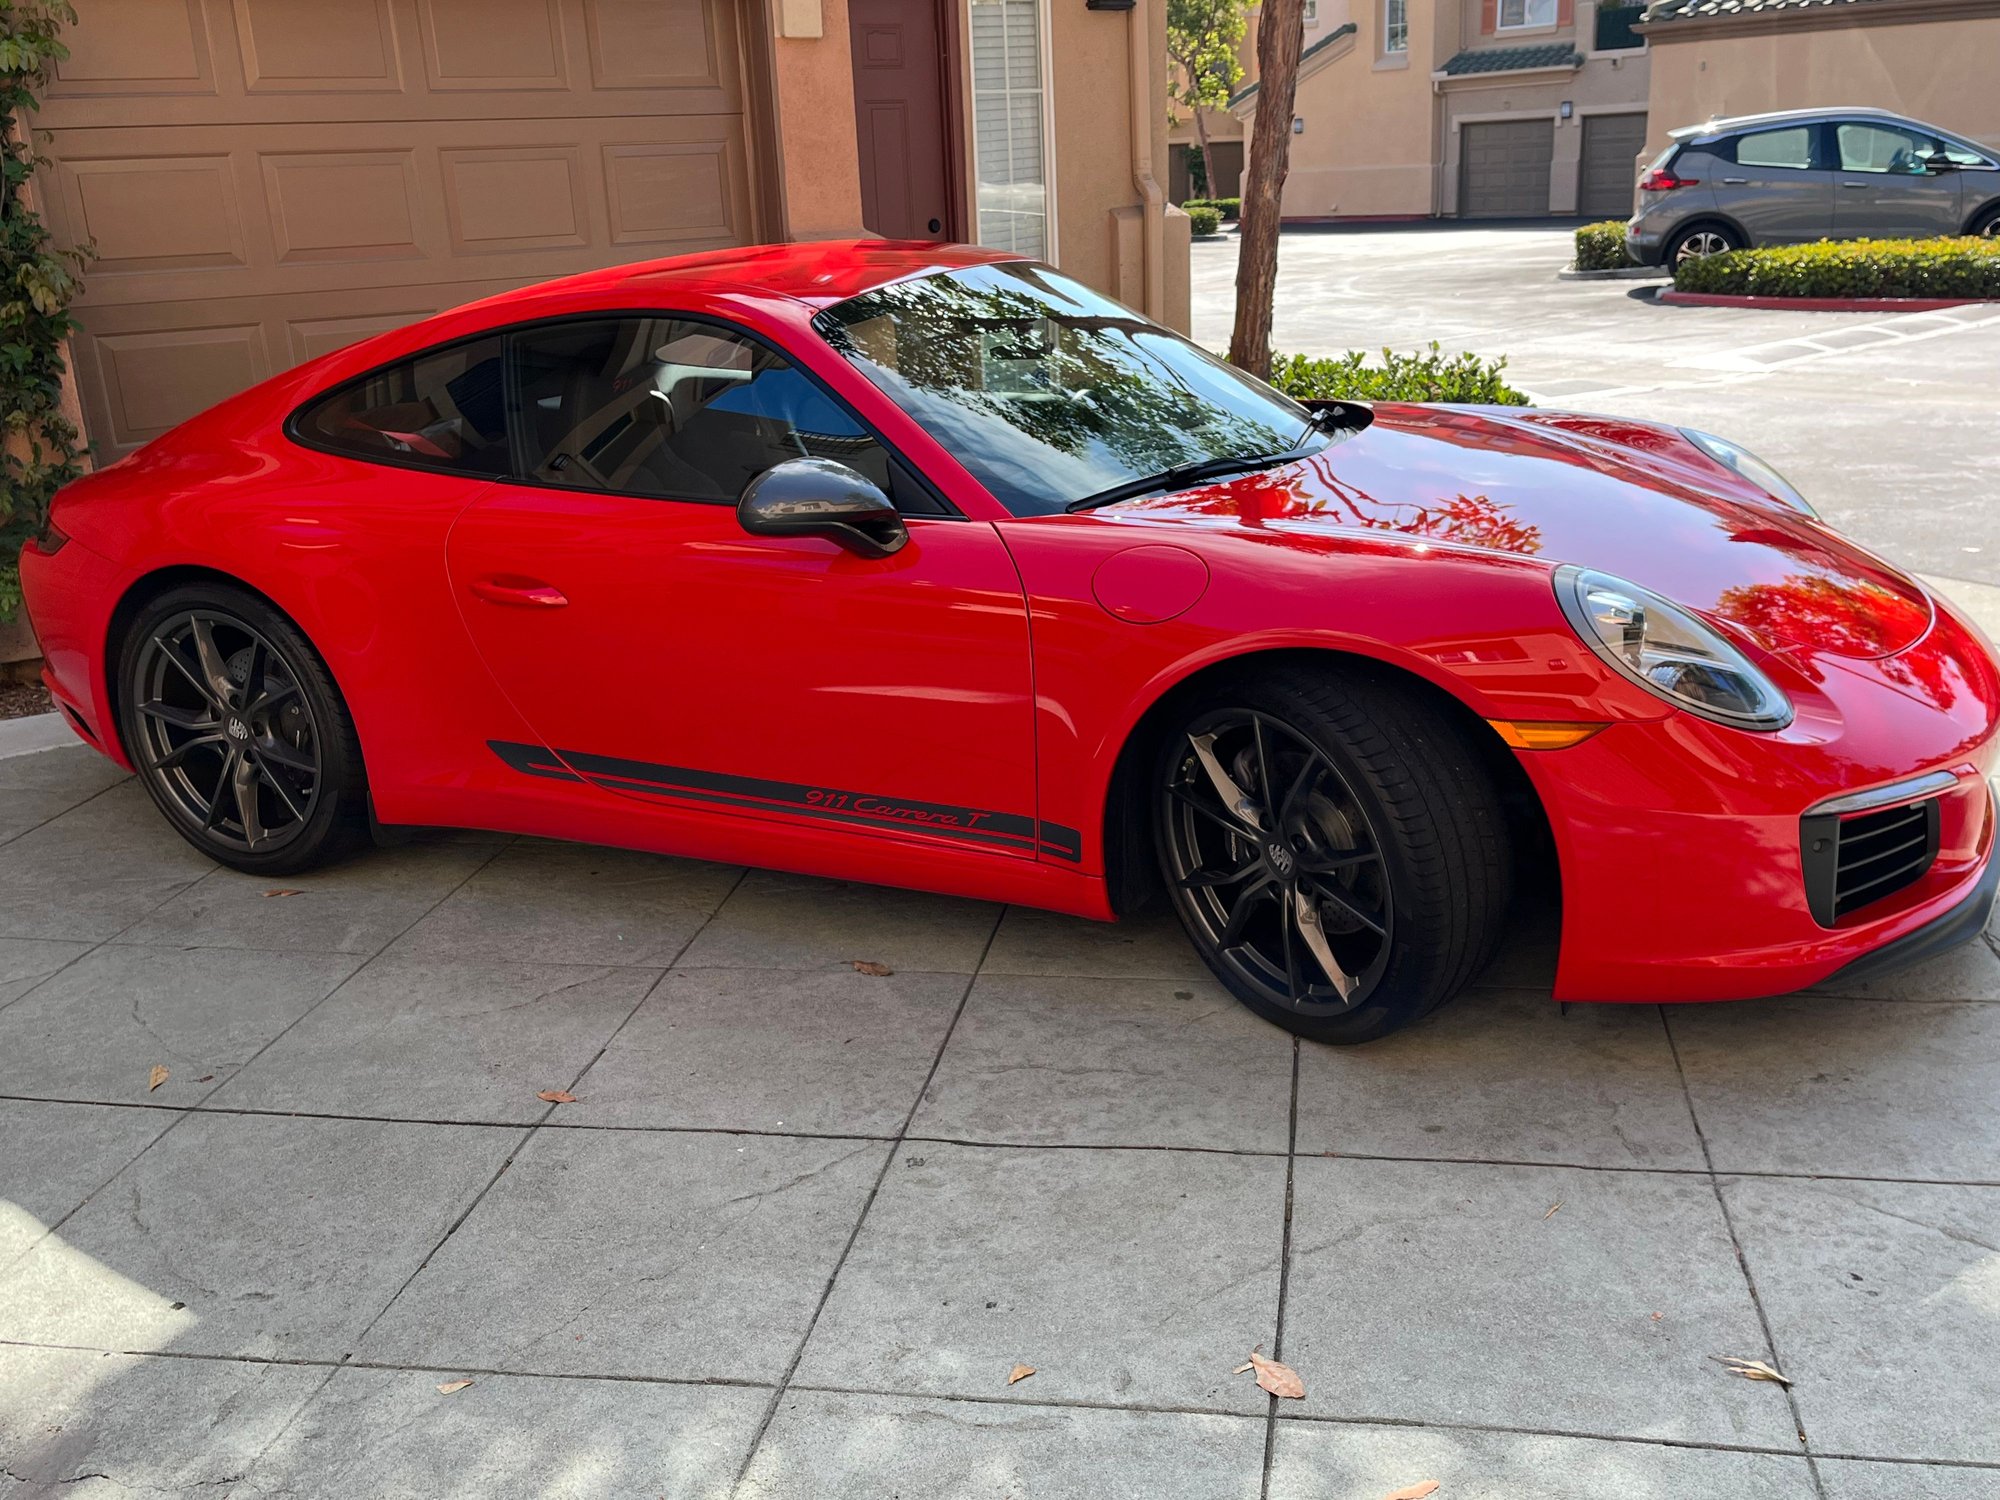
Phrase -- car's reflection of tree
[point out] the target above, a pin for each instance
(1849, 619)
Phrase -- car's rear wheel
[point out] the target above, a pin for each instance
(1987, 225)
(1699, 241)
(1334, 847)
(238, 731)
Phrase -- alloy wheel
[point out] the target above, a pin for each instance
(1702, 244)
(225, 731)
(1275, 864)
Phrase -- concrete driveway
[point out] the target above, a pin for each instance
(800, 1222)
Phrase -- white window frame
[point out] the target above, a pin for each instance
(1391, 10)
(1528, 21)
(1045, 62)
(1312, 12)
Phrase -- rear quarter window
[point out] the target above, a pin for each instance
(445, 409)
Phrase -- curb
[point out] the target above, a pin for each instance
(34, 734)
(1823, 304)
(1616, 273)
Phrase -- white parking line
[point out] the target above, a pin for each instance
(1775, 354)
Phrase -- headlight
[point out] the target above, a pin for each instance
(1669, 652)
(1751, 467)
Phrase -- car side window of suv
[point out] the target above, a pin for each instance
(1883, 148)
(677, 409)
(445, 409)
(1787, 147)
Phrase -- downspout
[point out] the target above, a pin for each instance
(1152, 200)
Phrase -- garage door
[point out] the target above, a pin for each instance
(1506, 169)
(1611, 147)
(266, 180)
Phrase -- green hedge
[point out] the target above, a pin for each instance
(1601, 247)
(1229, 208)
(1960, 267)
(1202, 219)
(1400, 377)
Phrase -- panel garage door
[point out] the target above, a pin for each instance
(1505, 171)
(1610, 172)
(266, 180)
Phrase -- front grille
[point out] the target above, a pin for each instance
(1857, 860)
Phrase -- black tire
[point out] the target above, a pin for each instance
(1698, 241)
(238, 731)
(1987, 224)
(1394, 848)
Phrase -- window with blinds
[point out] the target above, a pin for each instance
(1013, 195)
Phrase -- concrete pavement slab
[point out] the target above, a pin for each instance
(1856, 1479)
(75, 772)
(417, 1039)
(612, 1252)
(98, 1029)
(21, 811)
(544, 902)
(1505, 1075)
(26, 962)
(806, 1052)
(95, 870)
(94, 1426)
(356, 906)
(53, 1156)
(1335, 1461)
(830, 1446)
(1845, 1087)
(1445, 1292)
(1111, 1062)
(1884, 1301)
(251, 1235)
(390, 1435)
(778, 921)
(1149, 946)
(1131, 1277)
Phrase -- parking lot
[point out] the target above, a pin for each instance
(482, 1167)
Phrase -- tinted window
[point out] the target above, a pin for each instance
(678, 410)
(1048, 392)
(442, 410)
(1791, 147)
(1882, 148)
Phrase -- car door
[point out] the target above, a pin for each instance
(1886, 188)
(664, 654)
(1774, 183)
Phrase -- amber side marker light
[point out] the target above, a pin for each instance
(1523, 735)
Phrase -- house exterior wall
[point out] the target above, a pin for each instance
(1941, 71)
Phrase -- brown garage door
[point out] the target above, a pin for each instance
(1506, 169)
(1610, 174)
(270, 179)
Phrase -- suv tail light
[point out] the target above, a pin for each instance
(1662, 180)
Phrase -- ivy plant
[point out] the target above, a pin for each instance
(38, 281)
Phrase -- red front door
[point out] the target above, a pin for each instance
(899, 118)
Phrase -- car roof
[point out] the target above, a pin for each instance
(1734, 123)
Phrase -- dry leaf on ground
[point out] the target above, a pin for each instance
(1019, 1373)
(453, 1385)
(282, 891)
(158, 1076)
(869, 966)
(1279, 1380)
(556, 1096)
(1414, 1491)
(1242, 1369)
(1749, 1369)
(1552, 1209)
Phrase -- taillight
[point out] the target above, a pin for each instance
(50, 539)
(1660, 180)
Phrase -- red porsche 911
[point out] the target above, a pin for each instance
(931, 567)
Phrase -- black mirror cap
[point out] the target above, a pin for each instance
(822, 497)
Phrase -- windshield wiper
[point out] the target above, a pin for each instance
(1182, 475)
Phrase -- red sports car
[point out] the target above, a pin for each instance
(932, 567)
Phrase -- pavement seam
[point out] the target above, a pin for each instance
(21, 833)
(1742, 1259)
(867, 1205)
(1284, 1276)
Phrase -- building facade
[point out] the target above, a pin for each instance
(265, 180)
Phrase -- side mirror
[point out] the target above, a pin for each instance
(1937, 162)
(819, 497)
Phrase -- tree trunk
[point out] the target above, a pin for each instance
(1280, 36)
(1207, 156)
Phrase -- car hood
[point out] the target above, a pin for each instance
(1635, 500)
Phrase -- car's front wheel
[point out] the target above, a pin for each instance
(238, 732)
(1334, 847)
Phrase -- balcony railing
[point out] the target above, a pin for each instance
(1614, 27)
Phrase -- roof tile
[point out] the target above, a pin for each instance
(1515, 59)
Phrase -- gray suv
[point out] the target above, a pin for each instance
(1810, 174)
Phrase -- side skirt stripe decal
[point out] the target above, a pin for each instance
(973, 825)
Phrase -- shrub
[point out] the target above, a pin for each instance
(1400, 377)
(1958, 267)
(1601, 247)
(1232, 208)
(1203, 218)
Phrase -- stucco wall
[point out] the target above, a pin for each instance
(1607, 83)
(818, 155)
(1943, 72)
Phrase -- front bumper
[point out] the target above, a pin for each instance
(1959, 926)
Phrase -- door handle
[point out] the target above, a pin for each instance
(1862, 185)
(1735, 182)
(513, 589)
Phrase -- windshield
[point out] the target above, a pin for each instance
(1046, 391)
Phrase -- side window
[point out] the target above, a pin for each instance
(1882, 148)
(1791, 147)
(442, 410)
(678, 410)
